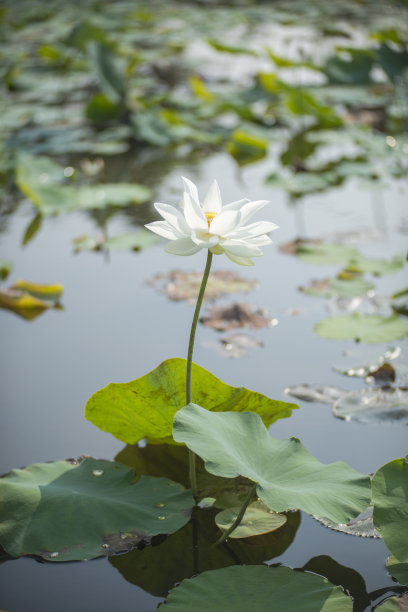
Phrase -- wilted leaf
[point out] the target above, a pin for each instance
(363, 328)
(362, 525)
(223, 318)
(256, 521)
(184, 285)
(241, 588)
(237, 345)
(321, 394)
(145, 407)
(29, 300)
(287, 475)
(70, 511)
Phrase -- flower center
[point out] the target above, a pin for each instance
(210, 216)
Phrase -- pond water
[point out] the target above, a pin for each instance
(115, 326)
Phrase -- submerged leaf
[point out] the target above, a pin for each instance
(256, 521)
(223, 318)
(241, 588)
(390, 497)
(288, 476)
(184, 285)
(145, 407)
(69, 511)
(363, 328)
(373, 405)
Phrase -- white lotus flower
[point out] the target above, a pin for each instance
(210, 225)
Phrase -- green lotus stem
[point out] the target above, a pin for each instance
(191, 455)
(240, 515)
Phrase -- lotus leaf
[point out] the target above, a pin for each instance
(66, 511)
(287, 475)
(390, 497)
(363, 328)
(241, 588)
(145, 407)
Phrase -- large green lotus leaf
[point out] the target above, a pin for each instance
(256, 520)
(390, 497)
(66, 511)
(145, 407)
(373, 406)
(288, 476)
(363, 328)
(257, 588)
(397, 570)
(154, 568)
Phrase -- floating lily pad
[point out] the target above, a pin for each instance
(288, 476)
(256, 521)
(317, 252)
(241, 588)
(362, 525)
(145, 407)
(223, 318)
(363, 328)
(390, 497)
(184, 285)
(139, 567)
(321, 394)
(377, 267)
(69, 511)
(397, 570)
(337, 287)
(132, 241)
(373, 405)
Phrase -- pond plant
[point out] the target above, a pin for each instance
(205, 472)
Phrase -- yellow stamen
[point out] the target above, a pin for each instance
(210, 217)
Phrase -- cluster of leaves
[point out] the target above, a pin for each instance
(350, 286)
(116, 508)
(120, 76)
